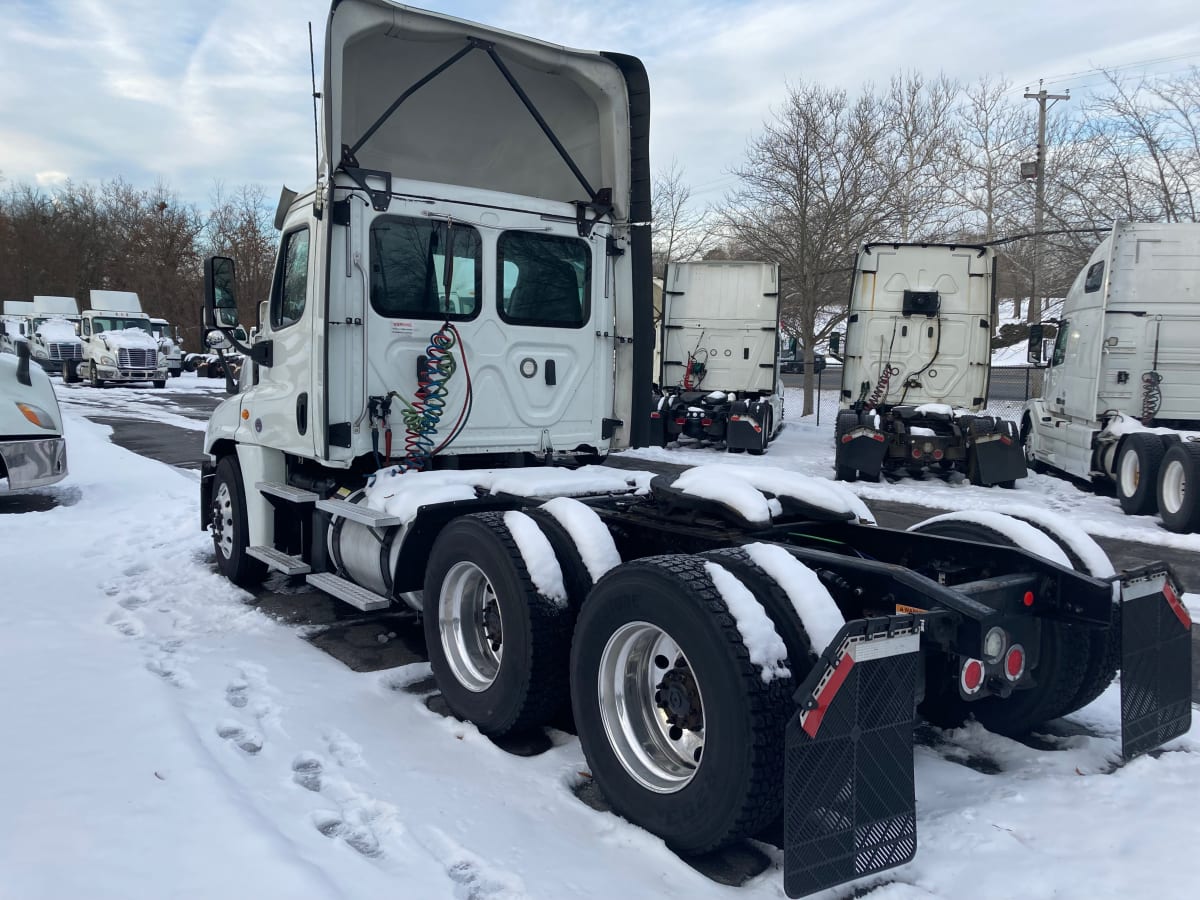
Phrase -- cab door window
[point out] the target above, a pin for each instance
(1060, 345)
(290, 291)
(425, 269)
(544, 279)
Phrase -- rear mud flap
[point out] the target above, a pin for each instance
(745, 429)
(849, 803)
(997, 460)
(864, 452)
(1156, 661)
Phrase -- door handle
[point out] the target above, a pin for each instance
(551, 373)
(302, 413)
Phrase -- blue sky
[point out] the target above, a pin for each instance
(196, 93)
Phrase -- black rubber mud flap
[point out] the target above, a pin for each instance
(862, 449)
(1156, 661)
(849, 803)
(999, 457)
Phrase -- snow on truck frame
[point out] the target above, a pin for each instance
(1121, 397)
(917, 361)
(442, 317)
(718, 368)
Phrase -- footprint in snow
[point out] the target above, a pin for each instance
(246, 741)
(358, 837)
(306, 771)
(236, 694)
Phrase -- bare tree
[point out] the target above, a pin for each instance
(241, 225)
(680, 232)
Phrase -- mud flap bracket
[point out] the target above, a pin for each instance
(1156, 661)
(849, 801)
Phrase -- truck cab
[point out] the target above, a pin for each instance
(169, 344)
(54, 335)
(117, 343)
(14, 324)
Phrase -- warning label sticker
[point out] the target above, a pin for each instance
(914, 610)
(403, 328)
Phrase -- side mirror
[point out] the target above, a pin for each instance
(1035, 353)
(835, 343)
(221, 326)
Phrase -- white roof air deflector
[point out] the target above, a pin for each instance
(420, 96)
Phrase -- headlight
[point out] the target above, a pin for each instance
(106, 360)
(37, 416)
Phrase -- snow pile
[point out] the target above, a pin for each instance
(129, 339)
(540, 561)
(742, 487)
(765, 646)
(57, 330)
(401, 493)
(591, 536)
(818, 612)
(1022, 534)
(935, 409)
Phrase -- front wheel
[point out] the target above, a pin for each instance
(230, 531)
(682, 734)
(160, 384)
(93, 376)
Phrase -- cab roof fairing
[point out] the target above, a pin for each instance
(467, 125)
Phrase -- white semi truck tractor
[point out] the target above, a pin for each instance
(16, 324)
(718, 367)
(118, 345)
(461, 317)
(169, 344)
(917, 366)
(1120, 402)
(54, 338)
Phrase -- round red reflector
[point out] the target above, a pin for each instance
(938, 454)
(1028, 598)
(916, 453)
(1014, 663)
(972, 676)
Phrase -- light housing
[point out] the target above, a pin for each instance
(37, 416)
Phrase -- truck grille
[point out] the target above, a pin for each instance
(64, 350)
(137, 359)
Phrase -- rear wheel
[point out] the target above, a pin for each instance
(498, 647)
(1179, 487)
(1137, 474)
(1063, 656)
(680, 731)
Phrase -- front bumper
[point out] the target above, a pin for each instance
(110, 373)
(34, 462)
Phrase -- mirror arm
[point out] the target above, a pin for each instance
(262, 353)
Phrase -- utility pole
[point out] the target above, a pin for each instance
(1039, 208)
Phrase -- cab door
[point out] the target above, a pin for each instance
(278, 411)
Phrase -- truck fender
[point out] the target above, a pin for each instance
(260, 464)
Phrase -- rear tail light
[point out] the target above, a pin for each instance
(682, 420)
(916, 453)
(1014, 663)
(706, 422)
(938, 454)
(970, 678)
(656, 415)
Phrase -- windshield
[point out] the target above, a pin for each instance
(160, 330)
(101, 324)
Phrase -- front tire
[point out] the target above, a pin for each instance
(1137, 474)
(160, 384)
(681, 733)
(230, 531)
(93, 377)
(497, 646)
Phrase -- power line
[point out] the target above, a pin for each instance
(1099, 70)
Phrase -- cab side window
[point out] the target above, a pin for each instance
(290, 291)
(1095, 278)
(544, 279)
(1060, 344)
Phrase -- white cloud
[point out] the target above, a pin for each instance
(196, 93)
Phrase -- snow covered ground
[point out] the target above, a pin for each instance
(141, 401)
(166, 739)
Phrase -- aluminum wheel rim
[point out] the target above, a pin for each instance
(471, 626)
(223, 520)
(1131, 473)
(659, 756)
(1174, 486)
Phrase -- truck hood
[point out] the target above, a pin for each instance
(39, 393)
(58, 331)
(467, 125)
(130, 339)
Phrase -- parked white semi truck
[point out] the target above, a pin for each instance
(169, 344)
(33, 452)
(117, 342)
(1120, 401)
(718, 368)
(15, 321)
(464, 295)
(917, 364)
(54, 338)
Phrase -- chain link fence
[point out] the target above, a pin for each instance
(1010, 387)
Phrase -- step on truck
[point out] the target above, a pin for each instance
(917, 365)
(54, 338)
(718, 368)
(118, 343)
(1120, 402)
(460, 320)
